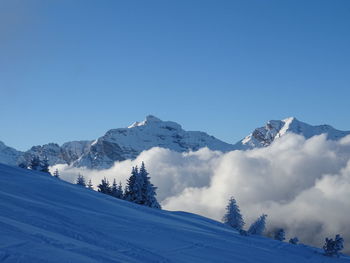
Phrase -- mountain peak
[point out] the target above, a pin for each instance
(289, 119)
(149, 119)
(128, 143)
(274, 129)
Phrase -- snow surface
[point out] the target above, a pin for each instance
(44, 219)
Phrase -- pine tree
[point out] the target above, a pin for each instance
(133, 191)
(56, 174)
(81, 180)
(104, 187)
(333, 247)
(90, 185)
(129, 185)
(125, 191)
(120, 190)
(139, 188)
(114, 188)
(44, 166)
(233, 215)
(151, 200)
(148, 189)
(117, 190)
(34, 163)
(258, 227)
(280, 234)
(294, 241)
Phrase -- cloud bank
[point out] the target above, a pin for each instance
(303, 185)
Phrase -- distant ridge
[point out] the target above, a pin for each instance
(127, 143)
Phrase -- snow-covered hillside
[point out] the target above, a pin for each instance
(264, 136)
(44, 219)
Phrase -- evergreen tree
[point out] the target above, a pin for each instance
(120, 189)
(104, 187)
(139, 188)
(117, 190)
(34, 163)
(148, 189)
(280, 234)
(125, 191)
(133, 191)
(233, 215)
(44, 166)
(151, 200)
(332, 247)
(56, 174)
(129, 185)
(81, 181)
(294, 241)
(114, 188)
(258, 227)
(90, 185)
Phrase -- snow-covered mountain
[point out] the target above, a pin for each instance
(8, 155)
(44, 219)
(65, 154)
(127, 143)
(264, 136)
(120, 144)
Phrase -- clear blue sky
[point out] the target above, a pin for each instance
(73, 69)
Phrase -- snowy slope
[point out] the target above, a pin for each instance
(264, 136)
(44, 219)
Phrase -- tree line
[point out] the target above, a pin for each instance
(138, 189)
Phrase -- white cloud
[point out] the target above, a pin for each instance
(303, 185)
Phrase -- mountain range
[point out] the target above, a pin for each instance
(127, 143)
